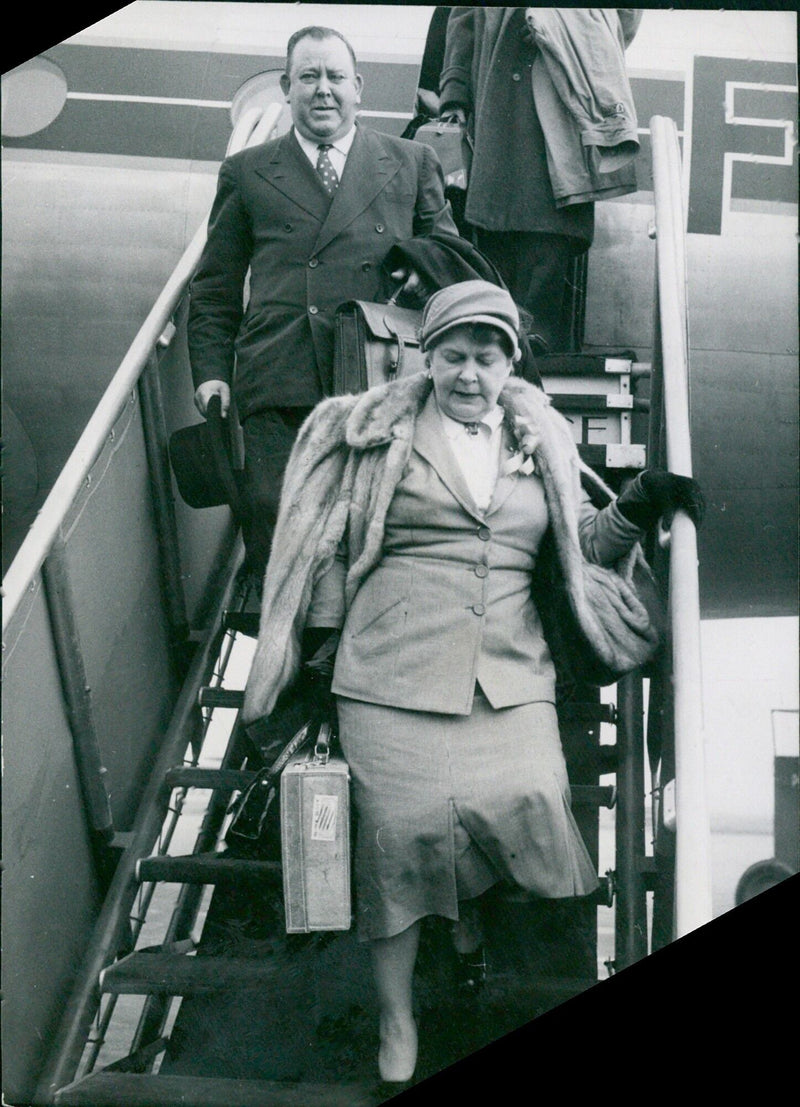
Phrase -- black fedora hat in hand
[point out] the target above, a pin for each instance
(201, 459)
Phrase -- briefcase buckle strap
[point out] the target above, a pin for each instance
(395, 363)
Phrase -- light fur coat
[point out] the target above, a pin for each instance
(341, 476)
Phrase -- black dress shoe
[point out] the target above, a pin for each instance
(471, 971)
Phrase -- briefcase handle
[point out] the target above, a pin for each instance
(392, 301)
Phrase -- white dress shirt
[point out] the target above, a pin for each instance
(478, 455)
(337, 153)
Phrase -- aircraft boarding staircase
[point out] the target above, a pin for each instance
(627, 413)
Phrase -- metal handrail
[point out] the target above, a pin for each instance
(67, 1045)
(254, 126)
(693, 839)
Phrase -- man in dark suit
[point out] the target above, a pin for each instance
(312, 226)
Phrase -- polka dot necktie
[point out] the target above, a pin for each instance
(327, 174)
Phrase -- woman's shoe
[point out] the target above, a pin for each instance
(397, 1056)
(471, 971)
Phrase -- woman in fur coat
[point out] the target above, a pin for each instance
(410, 521)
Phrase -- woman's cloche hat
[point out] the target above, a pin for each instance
(470, 302)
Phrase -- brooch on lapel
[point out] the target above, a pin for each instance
(519, 462)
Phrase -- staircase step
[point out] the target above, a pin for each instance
(598, 366)
(221, 780)
(613, 455)
(589, 404)
(220, 697)
(206, 868)
(593, 795)
(243, 622)
(112, 1089)
(587, 713)
(170, 973)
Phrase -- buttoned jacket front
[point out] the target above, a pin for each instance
(306, 254)
(450, 602)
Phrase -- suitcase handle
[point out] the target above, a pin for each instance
(322, 746)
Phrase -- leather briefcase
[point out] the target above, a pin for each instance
(374, 343)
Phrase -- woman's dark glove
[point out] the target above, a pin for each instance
(655, 494)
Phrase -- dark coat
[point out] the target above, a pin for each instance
(306, 254)
(442, 259)
(487, 71)
(525, 140)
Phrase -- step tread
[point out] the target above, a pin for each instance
(601, 795)
(244, 622)
(212, 696)
(221, 780)
(167, 972)
(112, 1089)
(587, 713)
(205, 868)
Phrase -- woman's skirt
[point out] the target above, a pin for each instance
(448, 805)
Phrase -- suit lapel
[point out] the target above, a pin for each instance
(506, 483)
(286, 168)
(431, 443)
(368, 169)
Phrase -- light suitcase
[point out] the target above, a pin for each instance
(315, 839)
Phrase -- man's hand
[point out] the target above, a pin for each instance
(412, 286)
(427, 103)
(213, 388)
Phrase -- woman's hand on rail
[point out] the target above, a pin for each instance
(208, 389)
(655, 494)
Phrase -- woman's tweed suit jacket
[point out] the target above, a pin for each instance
(342, 475)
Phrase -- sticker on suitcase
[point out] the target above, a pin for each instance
(323, 818)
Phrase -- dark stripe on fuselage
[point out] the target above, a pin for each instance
(197, 131)
(143, 129)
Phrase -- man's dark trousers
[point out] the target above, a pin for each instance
(268, 439)
(536, 268)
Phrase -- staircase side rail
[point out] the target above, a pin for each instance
(91, 670)
(692, 868)
(37, 543)
(68, 1042)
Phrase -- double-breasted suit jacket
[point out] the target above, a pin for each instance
(306, 253)
(449, 604)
